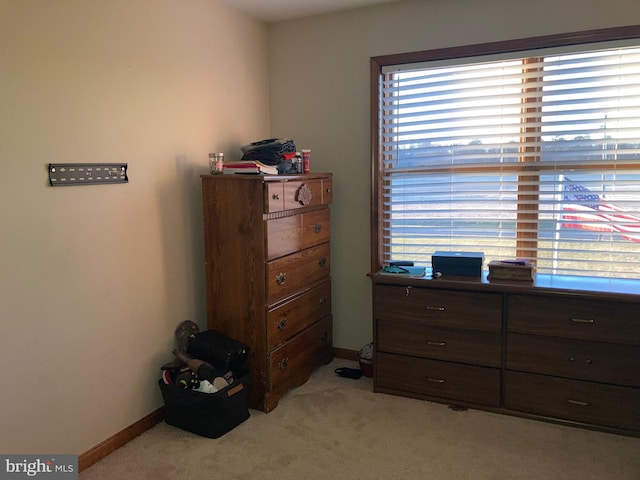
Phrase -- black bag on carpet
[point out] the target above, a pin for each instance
(223, 352)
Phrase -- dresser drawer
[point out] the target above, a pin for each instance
(289, 274)
(574, 318)
(327, 191)
(447, 380)
(273, 197)
(295, 315)
(581, 359)
(419, 340)
(442, 308)
(573, 400)
(287, 235)
(291, 363)
(316, 228)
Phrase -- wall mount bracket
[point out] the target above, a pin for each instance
(61, 174)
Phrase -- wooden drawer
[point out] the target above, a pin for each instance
(295, 315)
(573, 400)
(447, 380)
(327, 191)
(575, 318)
(419, 340)
(442, 308)
(581, 359)
(294, 194)
(287, 235)
(316, 228)
(291, 363)
(290, 274)
(274, 197)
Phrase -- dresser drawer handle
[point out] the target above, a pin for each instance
(328, 190)
(323, 300)
(322, 262)
(281, 278)
(437, 309)
(578, 402)
(317, 228)
(588, 361)
(282, 324)
(435, 380)
(284, 363)
(583, 320)
(275, 196)
(436, 344)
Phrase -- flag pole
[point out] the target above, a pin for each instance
(556, 234)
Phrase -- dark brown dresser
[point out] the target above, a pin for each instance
(560, 349)
(268, 283)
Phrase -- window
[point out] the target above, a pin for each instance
(530, 149)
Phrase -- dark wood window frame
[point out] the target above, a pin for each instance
(379, 62)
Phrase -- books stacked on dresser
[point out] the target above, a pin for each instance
(249, 166)
(524, 270)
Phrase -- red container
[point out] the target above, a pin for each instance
(367, 367)
(306, 161)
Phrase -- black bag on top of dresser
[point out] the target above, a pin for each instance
(223, 352)
(271, 151)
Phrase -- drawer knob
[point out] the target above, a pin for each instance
(284, 363)
(276, 196)
(323, 300)
(436, 344)
(322, 262)
(328, 190)
(282, 324)
(435, 309)
(324, 337)
(407, 290)
(588, 361)
(583, 320)
(435, 380)
(317, 228)
(578, 402)
(281, 278)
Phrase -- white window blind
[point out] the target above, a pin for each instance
(534, 156)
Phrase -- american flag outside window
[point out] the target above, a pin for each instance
(587, 210)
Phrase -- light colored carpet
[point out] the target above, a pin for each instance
(337, 428)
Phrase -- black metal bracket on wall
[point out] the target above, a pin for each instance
(61, 174)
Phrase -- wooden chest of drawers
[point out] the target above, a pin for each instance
(568, 355)
(438, 343)
(267, 260)
(574, 358)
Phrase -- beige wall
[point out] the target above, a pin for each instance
(94, 279)
(320, 98)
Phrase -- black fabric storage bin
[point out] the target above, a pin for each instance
(223, 352)
(207, 414)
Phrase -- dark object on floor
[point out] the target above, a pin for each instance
(355, 373)
(207, 414)
(222, 352)
(458, 408)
